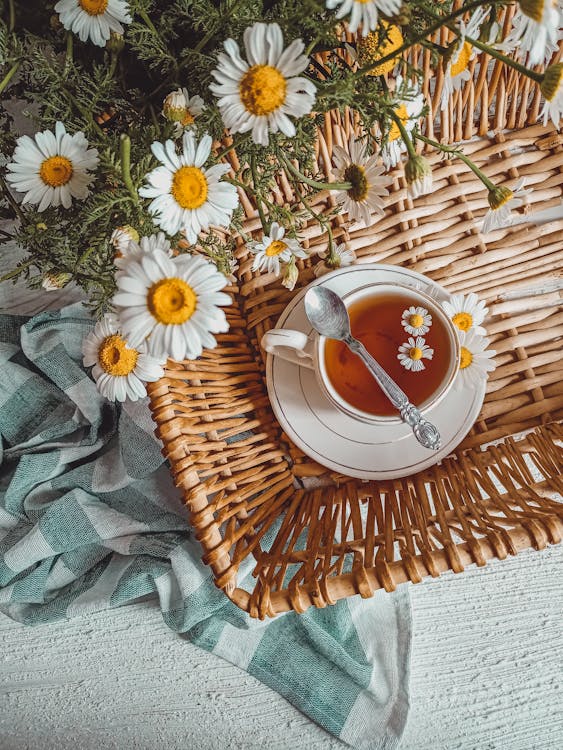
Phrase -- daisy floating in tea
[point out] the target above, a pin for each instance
(416, 321)
(413, 352)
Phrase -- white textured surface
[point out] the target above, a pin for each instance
(486, 669)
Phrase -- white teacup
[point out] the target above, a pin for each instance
(308, 351)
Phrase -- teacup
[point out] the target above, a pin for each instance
(311, 352)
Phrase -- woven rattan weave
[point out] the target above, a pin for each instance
(314, 537)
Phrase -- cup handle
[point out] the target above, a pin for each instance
(293, 346)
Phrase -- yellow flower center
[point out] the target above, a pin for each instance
(465, 359)
(114, 356)
(415, 353)
(356, 174)
(552, 81)
(463, 320)
(462, 61)
(171, 301)
(403, 115)
(94, 7)
(189, 187)
(416, 321)
(188, 118)
(56, 171)
(275, 248)
(379, 44)
(262, 89)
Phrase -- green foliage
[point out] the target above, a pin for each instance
(120, 90)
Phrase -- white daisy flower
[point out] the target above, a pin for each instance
(344, 257)
(273, 249)
(416, 320)
(552, 89)
(466, 312)
(475, 360)
(181, 109)
(364, 198)
(457, 72)
(187, 197)
(364, 12)
(172, 301)
(536, 30)
(121, 237)
(413, 352)
(502, 201)
(94, 19)
(119, 370)
(409, 109)
(146, 246)
(52, 168)
(261, 94)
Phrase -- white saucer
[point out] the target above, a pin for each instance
(339, 442)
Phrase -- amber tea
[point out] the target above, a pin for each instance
(376, 322)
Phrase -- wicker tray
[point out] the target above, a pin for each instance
(315, 536)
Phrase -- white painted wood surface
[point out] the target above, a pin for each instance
(486, 667)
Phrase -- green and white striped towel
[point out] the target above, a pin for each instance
(89, 519)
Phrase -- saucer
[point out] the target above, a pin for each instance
(337, 441)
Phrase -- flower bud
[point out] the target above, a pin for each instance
(175, 108)
(54, 281)
(291, 275)
(418, 174)
(115, 43)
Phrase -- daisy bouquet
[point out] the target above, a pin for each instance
(150, 125)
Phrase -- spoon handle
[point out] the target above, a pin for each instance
(425, 432)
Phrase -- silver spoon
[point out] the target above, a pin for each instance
(328, 315)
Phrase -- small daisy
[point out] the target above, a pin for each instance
(413, 352)
(364, 12)
(457, 73)
(274, 249)
(343, 257)
(119, 370)
(552, 89)
(261, 94)
(94, 19)
(475, 360)
(121, 237)
(146, 246)
(409, 109)
(187, 197)
(501, 201)
(181, 109)
(466, 312)
(418, 175)
(52, 168)
(416, 321)
(536, 29)
(364, 198)
(377, 45)
(172, 301)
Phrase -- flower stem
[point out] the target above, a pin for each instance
(125, 158)
(12, 15)
(404, 135)
(148, 23)
(69, 54)
(9, 75)
(443, 21)
(460, 155)
(313, 183)
(323, 221)
(537, 77)
(10, 198)
(261, 214)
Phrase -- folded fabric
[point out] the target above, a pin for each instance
(90, 519)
